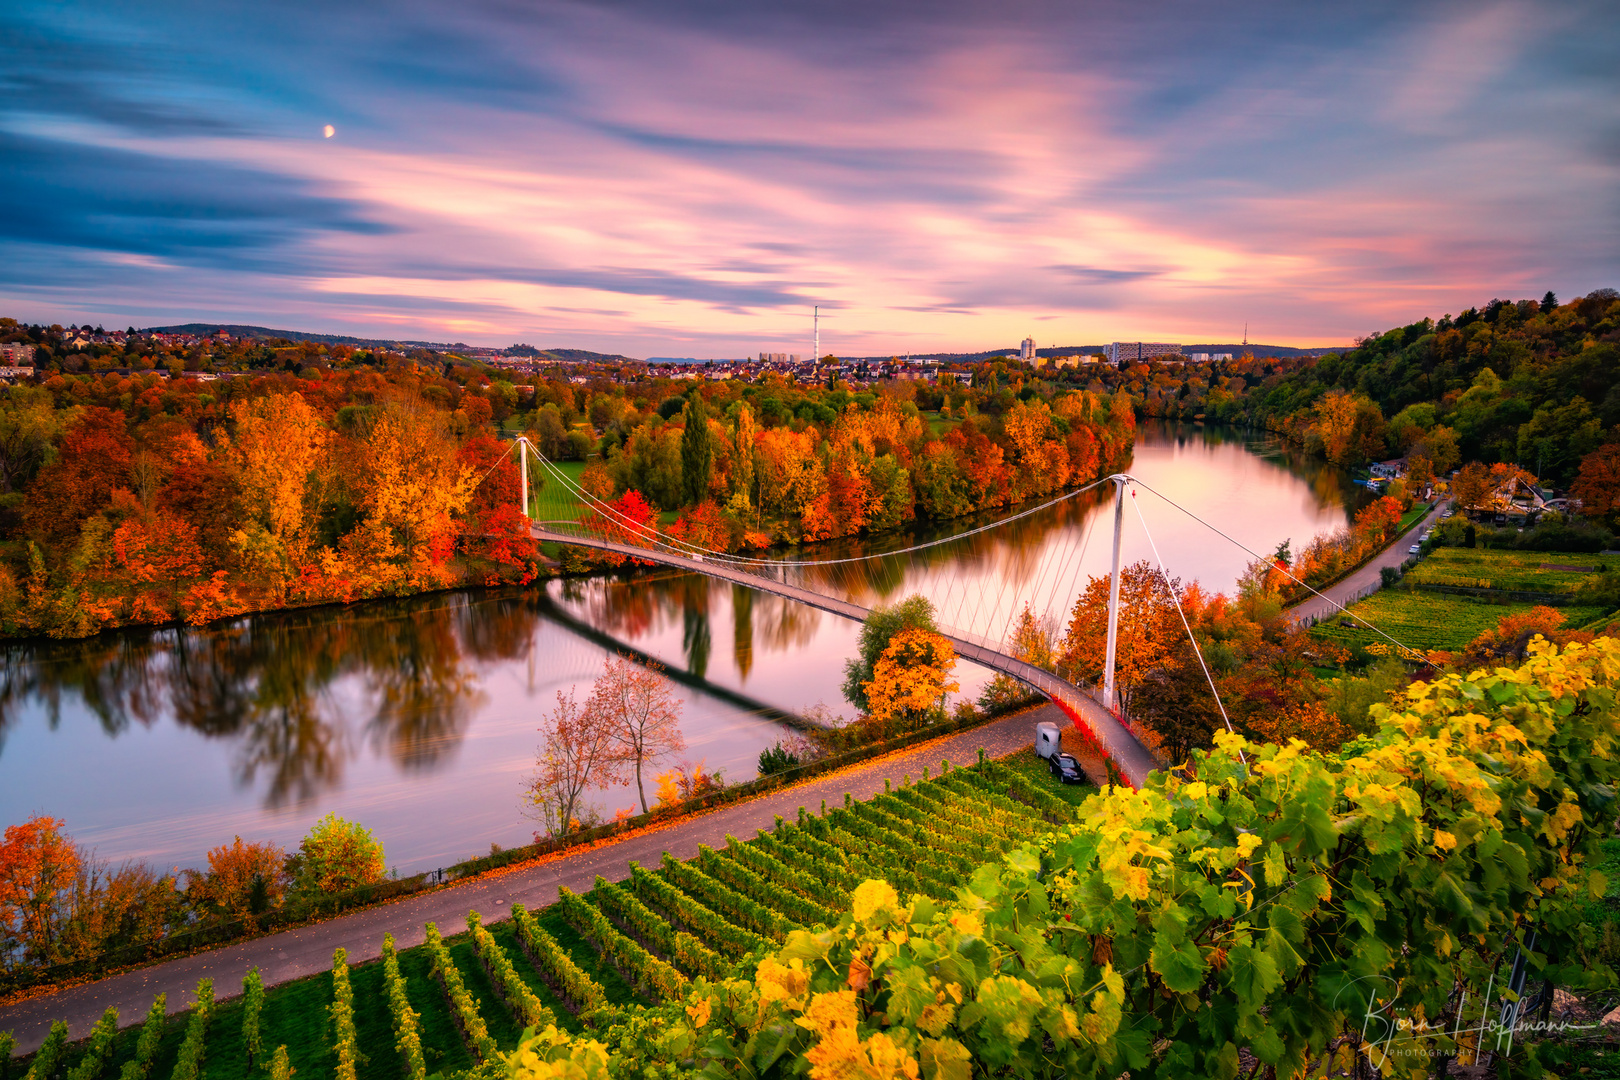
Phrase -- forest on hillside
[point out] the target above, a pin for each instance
(132, 493)
(1535, 383)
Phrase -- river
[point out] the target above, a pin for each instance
(419, 717)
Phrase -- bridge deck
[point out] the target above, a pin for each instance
(1133, 760)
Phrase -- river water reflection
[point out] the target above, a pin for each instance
(419, 717)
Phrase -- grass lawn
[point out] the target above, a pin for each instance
(940, 425)
(552, 502)
(1492, 568)
(1036, 773)
(1426, 620)
(1417, 511)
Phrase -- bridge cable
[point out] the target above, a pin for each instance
(1175, 595)
(676, 542)
(1286, 572)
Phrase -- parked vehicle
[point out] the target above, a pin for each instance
(1415, 549)
(1066, 769)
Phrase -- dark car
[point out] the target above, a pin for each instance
(1066, 769)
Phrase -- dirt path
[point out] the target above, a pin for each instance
(293, 954)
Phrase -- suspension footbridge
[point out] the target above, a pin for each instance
(570, 515)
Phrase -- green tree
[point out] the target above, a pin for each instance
(913, 613)
(697, 452)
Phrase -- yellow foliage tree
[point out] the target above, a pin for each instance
(279, 454)
(912, 677)
(412, 483)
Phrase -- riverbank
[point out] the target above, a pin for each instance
(293, 954)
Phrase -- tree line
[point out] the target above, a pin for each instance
(135, 498)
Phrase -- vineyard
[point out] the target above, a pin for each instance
(1508, 571)
(585, 963)
(1428, 620)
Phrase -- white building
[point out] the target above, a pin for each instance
(1026, 352)
(1126, 351)
(1205, 357)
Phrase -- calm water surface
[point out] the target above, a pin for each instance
(418, 718)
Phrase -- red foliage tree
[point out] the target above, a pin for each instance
(93, 459)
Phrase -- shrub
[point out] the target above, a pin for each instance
(337, 855)
(775, 759)
(244, 880)
(280, 1068)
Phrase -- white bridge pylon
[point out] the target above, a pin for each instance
(1133, 759)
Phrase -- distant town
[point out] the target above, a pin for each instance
(206, 352)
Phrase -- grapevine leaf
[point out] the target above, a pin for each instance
(945, 1059)
(1177, 962)
(1253, 976)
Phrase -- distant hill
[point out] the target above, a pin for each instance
(264, 333)
(1281, 351)
(261, 333)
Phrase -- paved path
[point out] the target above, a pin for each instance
(1367, 580)
(293, 954)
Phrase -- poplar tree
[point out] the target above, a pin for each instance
(697, 453)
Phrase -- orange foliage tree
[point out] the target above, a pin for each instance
(1598, 484)
(1148, 627)
(1379, 519)
(244, 880)
(1508, 641)
(38, 868)
(94, 458)
(911, 678)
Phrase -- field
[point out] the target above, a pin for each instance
(1526, 571)
(588, 960)
(1428, 620)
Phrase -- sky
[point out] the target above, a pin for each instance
(652, 177)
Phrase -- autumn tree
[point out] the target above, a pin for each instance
(911, 678)
(742, 466)
(28, 424)
(913, 613)
(411, 483)
(159, 548)
(1174, 701)
(1148, 627)
(1473, 488)
(1379, 519)
(244, 879)
(278, 454)
(1032, 643)
(579, 753)
(39, 865)
(337, 855)
(1598, 484)
(639, 707)
(93, 458)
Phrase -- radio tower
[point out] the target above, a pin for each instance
(815, 356)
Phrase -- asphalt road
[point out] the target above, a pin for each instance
(293, 954)
(1367, 580)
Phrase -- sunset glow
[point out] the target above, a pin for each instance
(650, 181)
